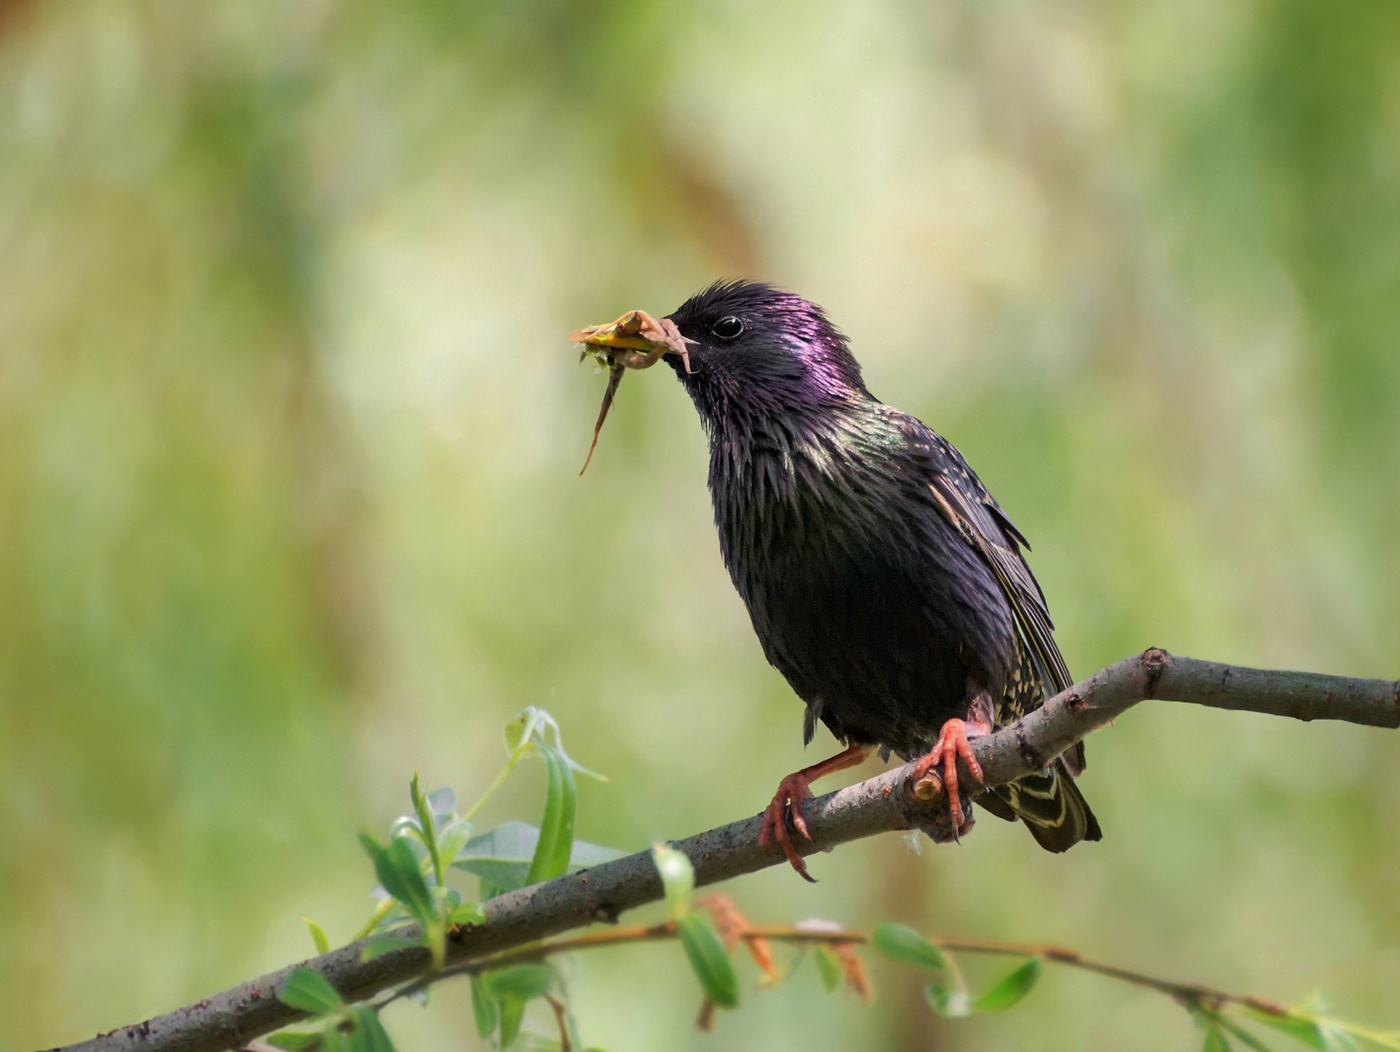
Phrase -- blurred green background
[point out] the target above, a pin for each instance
(290, 433)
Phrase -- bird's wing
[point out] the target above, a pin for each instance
(980, 520)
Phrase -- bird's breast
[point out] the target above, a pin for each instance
(861, 597)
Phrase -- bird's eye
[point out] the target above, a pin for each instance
(728, 327)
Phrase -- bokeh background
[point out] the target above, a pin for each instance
(290, 434)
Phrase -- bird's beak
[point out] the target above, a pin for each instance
(635, 341)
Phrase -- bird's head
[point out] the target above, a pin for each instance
(753, 351)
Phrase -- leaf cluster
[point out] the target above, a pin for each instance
(420, 905)
(414, 866)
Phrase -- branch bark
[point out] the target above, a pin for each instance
(884, 803)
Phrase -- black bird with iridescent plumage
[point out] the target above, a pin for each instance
(883, 580)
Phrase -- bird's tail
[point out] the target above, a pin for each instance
(1051, 805)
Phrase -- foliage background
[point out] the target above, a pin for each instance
(289, 434)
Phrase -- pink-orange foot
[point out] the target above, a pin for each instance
(786, 807)
(953, 743)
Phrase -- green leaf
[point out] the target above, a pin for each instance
(708, 959)
(533, 726)
(1309, 1024)
(677, 878)
(398, 872)
(556, 843)
(1216, 1041)
(489, 890)
(499, 877)
(585, 855)
(318, 936)
(901, 943)
(524, 727)
(310, 991)
(452, 838)
(501, 857)
(525, 981)
(515, 842)
(829, 967)
(1240, 1034)
(387, 944)
(948, 1000)
(334, 1039)
(297, 1038)
(1010, 988)
(1296, 1027)
(468, 913)
(427, 825)
(483, 1008)
(1337, 1039)
(369, 1034)
(512, 1011)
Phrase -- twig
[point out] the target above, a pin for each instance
(883, 803)
(1190, 993)
(561, 1017)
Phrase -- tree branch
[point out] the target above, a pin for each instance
(884, 803)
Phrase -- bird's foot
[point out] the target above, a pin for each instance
(952, 743)
(786, 808)
(793, 792)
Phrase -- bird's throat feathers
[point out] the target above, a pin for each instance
(794, 435)
(810, 456)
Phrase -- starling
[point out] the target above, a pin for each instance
(884, 581)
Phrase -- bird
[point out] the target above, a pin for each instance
(883, 580)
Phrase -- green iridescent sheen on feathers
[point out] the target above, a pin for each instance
(883, 580)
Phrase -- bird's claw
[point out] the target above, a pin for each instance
(953, 744)
(786, 809)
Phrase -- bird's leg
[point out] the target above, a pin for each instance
(787, 803)
(953, 743)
